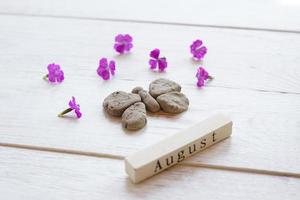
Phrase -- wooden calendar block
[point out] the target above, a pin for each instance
(174, 149)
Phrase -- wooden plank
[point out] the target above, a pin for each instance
(239, 59)
(260, 126)
(281, 14)
(30, 175)
(249, 84)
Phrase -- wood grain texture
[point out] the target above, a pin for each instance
(240, 59)
(279, 14)
(34, 175)
(263, 102)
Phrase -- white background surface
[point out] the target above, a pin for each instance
(253, 51)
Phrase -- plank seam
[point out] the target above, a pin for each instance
(154, 22)
(185, 163)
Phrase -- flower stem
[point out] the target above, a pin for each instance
(210, 77)
(45, 77)
(64, 112)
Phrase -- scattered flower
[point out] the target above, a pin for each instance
(202, 75)
(105, 69)
(155, 61)
(55, 73)
(198, 50)
(72, 106)
(123, 43)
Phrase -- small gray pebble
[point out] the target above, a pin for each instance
(136, 89)
(117, 102)
(151, 104)
(134, 117)
(173, 102)
(163, 86)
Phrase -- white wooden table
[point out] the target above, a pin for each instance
(253, 51)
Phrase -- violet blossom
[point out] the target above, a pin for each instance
(72, 106)
(55, 73)
(106, 69)
(198, 50)
(123, 43)
(156, 61)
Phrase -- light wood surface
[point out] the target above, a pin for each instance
(34, 175)
(261, 101)
(280, 15)
(253, 51)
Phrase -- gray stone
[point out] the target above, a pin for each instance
(151, 104)
(163, 86)
(134, 117)
(117, 102)
(136, 89)
(173, 102)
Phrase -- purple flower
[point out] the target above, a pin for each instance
(123, 43)
(105, 69)
(72, 106)
(198, 50)
(202, 75)
(55, 74)
(155, 61)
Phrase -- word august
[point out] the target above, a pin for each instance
(177, 147)
(185, 152)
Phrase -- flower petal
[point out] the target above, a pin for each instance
(105, 74)
(119, 38)
(197, 43)
(128, 46)
(51, 77)
(72, 103)
(103, 63)
(112, 67)
(78, 113)
(155, 53)
(152, 63)
(120, 48)
(201, 52)
(73, 100)
(162, 64)
(60, 76)
(127, 38)
(53, 67)
(200, 82)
